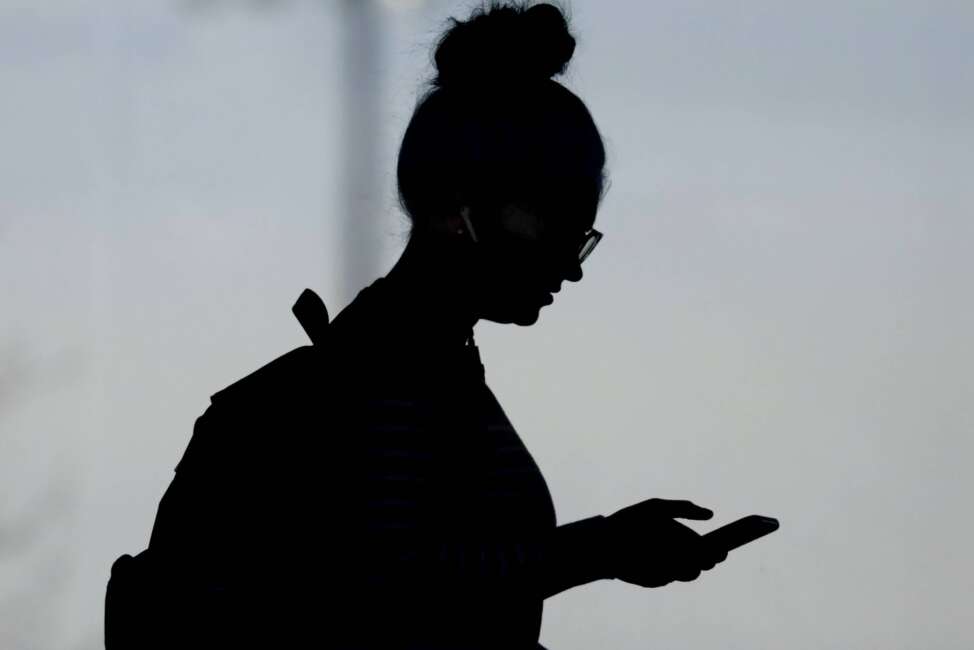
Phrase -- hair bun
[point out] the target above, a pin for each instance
(504, 45)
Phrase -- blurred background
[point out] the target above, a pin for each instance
(778, 321)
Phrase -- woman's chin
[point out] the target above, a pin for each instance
(525, 315)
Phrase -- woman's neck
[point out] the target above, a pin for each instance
(433, 283)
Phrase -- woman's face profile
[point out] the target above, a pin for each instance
(523, 260)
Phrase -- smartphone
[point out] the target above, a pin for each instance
(740, 532)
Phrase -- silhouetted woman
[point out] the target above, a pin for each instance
(405, 511)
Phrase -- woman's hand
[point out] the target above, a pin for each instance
(644, 545)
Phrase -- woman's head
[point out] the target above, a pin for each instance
(498, 139)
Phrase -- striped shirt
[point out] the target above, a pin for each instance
(437, 529)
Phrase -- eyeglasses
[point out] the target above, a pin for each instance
(592, 238)
(557, 249)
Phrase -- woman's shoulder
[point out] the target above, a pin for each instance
(333, 376)
(289, 374)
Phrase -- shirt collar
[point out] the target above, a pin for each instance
(382, 325)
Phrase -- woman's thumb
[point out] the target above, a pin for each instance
(685, 509)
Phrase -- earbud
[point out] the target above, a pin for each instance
(465, 213)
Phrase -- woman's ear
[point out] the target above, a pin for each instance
(453, 225)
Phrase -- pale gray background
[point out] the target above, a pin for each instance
(778, 320)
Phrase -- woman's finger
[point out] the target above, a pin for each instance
(684, 509)
(688, 575)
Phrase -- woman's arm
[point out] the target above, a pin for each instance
(543, 564)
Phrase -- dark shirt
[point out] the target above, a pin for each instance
(418, 520)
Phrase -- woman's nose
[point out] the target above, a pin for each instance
(561, 270)
(573, 272)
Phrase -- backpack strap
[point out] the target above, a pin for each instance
(311, 312)
(289, 371)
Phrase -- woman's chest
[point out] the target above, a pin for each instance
(489, 478)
